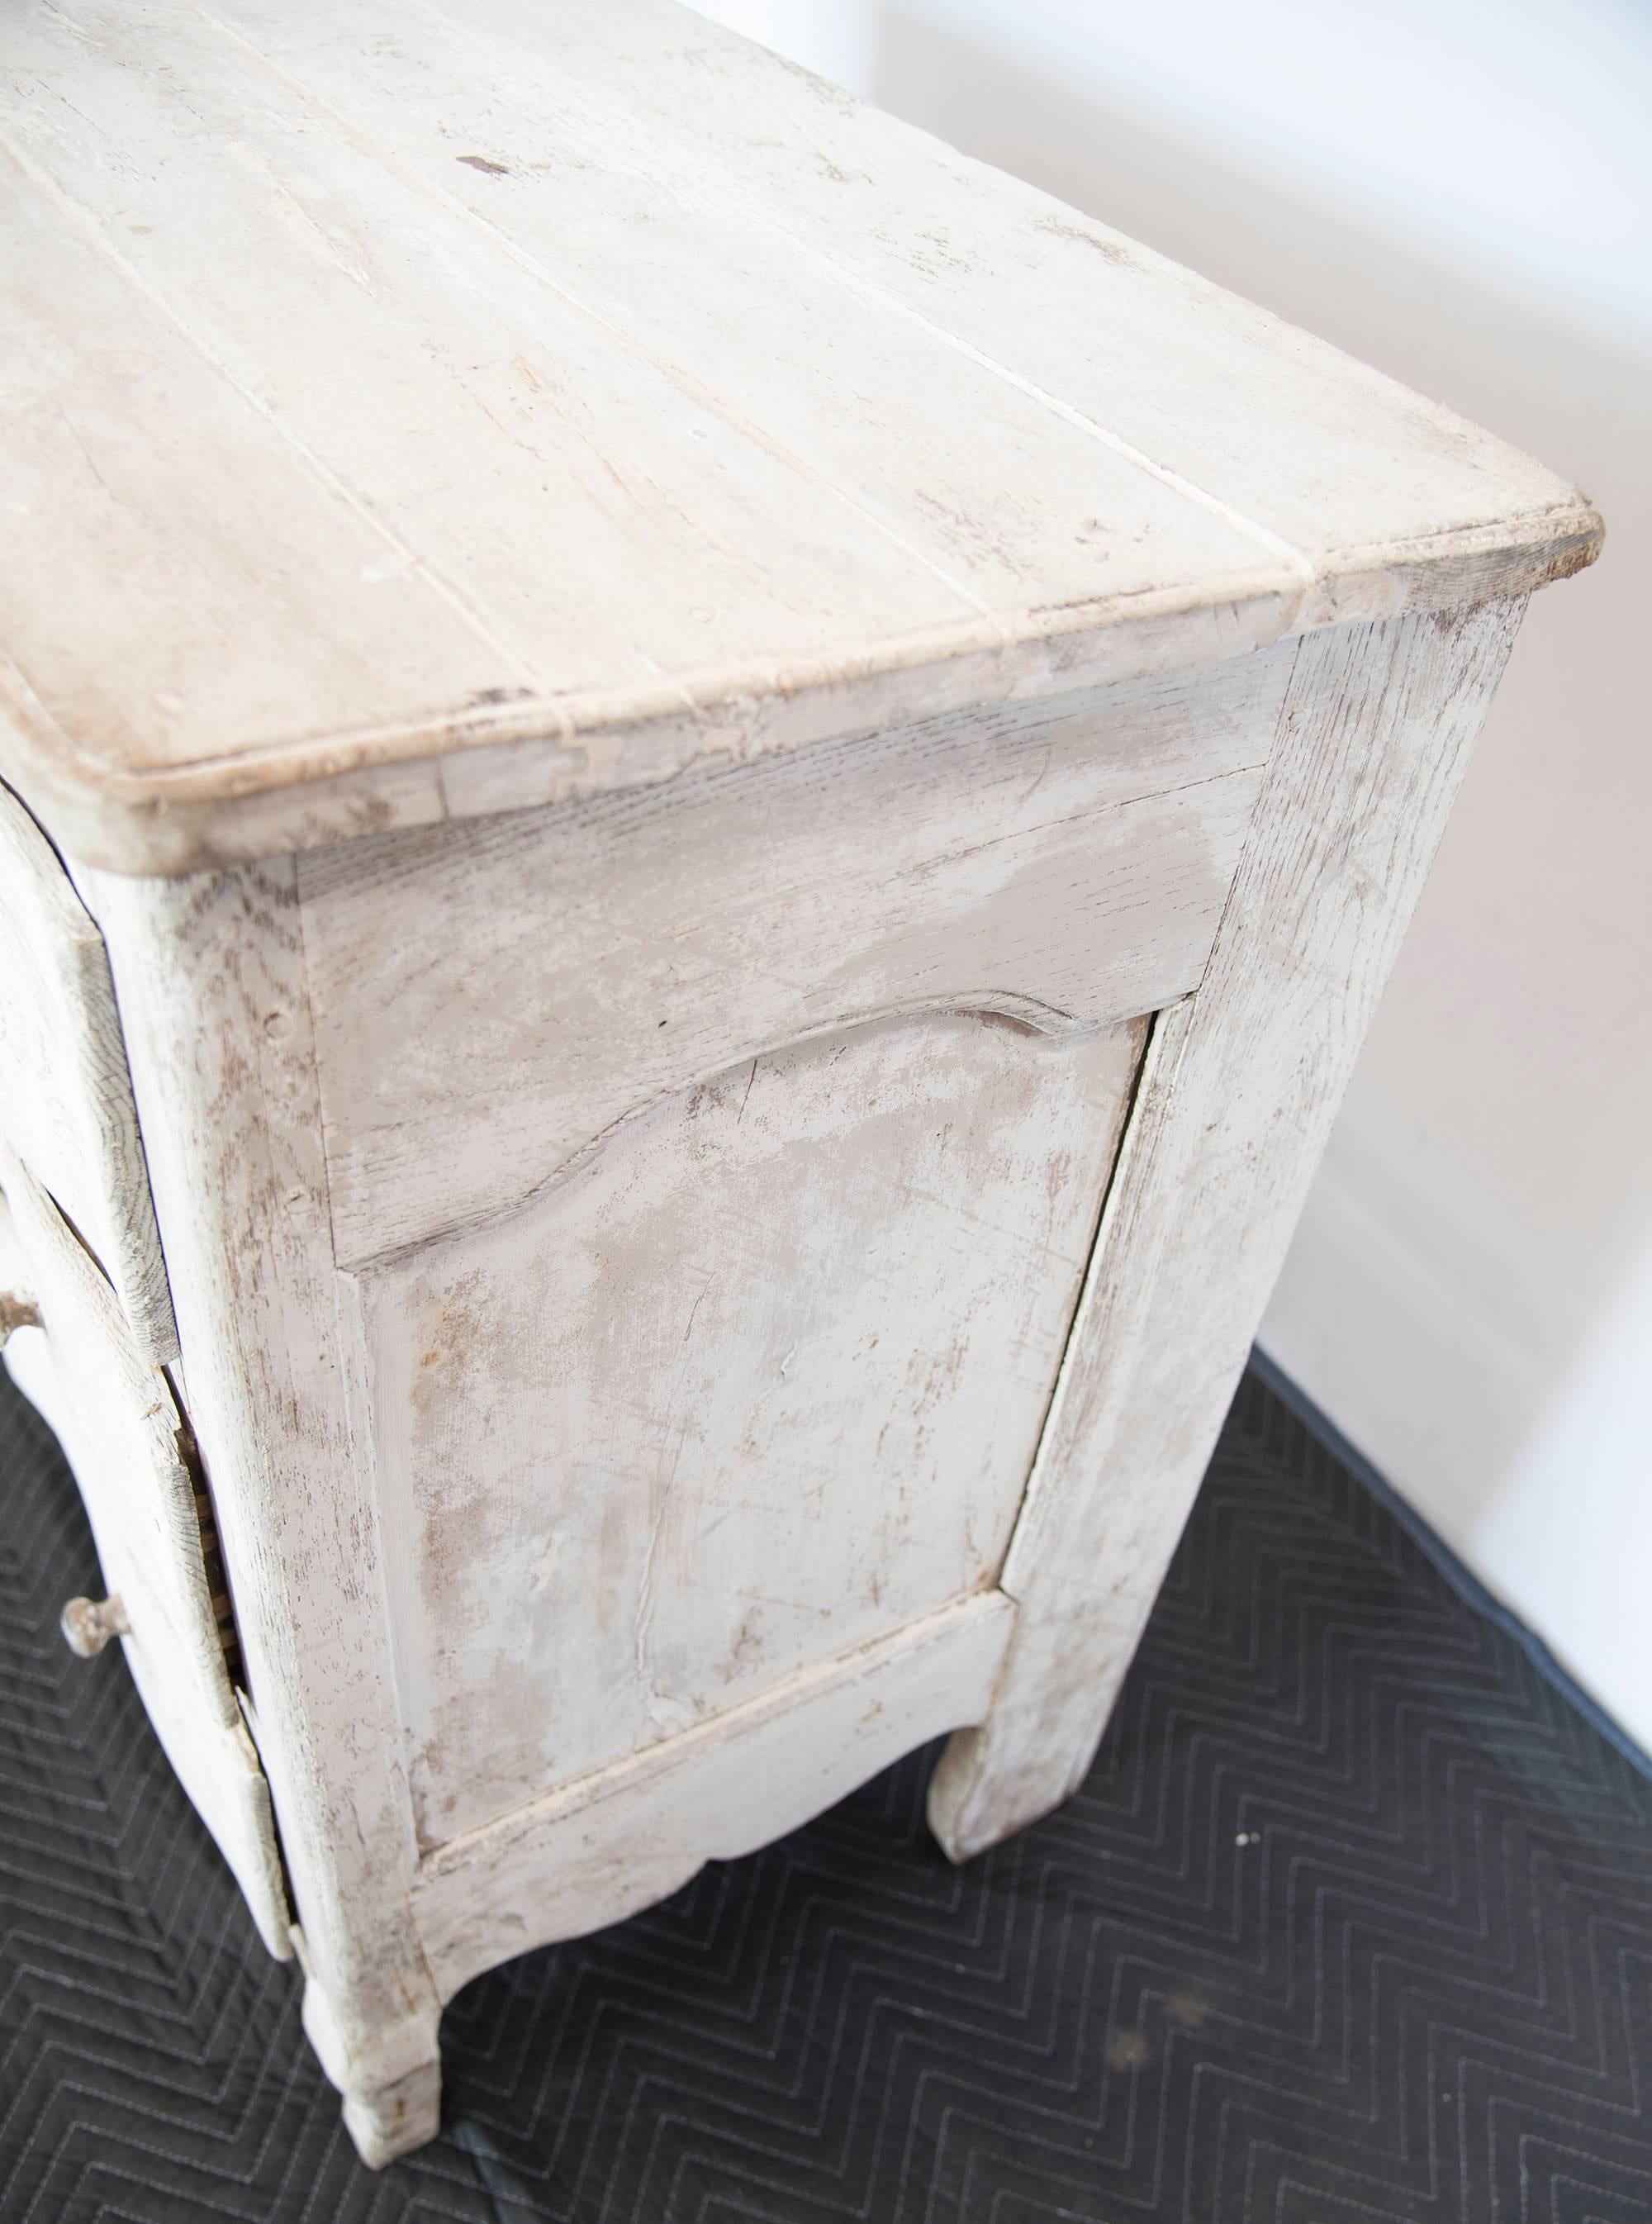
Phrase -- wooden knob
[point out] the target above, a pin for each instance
(16, 1312)
(87, 1628)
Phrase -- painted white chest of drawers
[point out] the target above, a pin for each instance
(703, 809)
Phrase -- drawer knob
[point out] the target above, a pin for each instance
(88, 1626)
(16, 1312)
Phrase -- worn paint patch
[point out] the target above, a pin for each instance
(758, 1382)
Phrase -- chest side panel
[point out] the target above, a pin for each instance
(715, 1167)
(757, 1383)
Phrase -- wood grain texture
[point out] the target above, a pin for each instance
(619, 1840)
(123, 1439)
(210, 979)
(1064, 865)
(65, 1101)
(304, 1383)
(759, 1383)
(707, 672)
(1241, 1083)
(610, 461)
(519, 1487)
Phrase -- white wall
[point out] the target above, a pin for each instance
(1459, 191)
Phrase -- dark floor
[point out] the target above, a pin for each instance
(1352, 1922)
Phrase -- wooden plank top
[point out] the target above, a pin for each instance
(411, 416)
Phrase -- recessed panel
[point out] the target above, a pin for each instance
(760, 1380)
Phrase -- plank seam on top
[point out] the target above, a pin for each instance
(324, 472)
(633, 344)
(547, 698)
(712, 182)
(684, 177)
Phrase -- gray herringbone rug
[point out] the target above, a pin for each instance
(1353, 1923)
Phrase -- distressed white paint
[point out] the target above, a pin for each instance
(210, 975)
(1063, 864)
(65, 1100)
(631, 1835)
(519, 1483)
(1240, 1087)
(123, 1437)
(1469, 1248)
(759, 1383)
(610, 296)
(624, 1238)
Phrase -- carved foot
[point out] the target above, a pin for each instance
(391, 2079)
(979, 1794)
(387, 2120)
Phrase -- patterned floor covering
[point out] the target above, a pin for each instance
(1351, 1923)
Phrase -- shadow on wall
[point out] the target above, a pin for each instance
(1485, 1216)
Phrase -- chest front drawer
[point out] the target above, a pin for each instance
(66, 1098)
(133, 1459)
